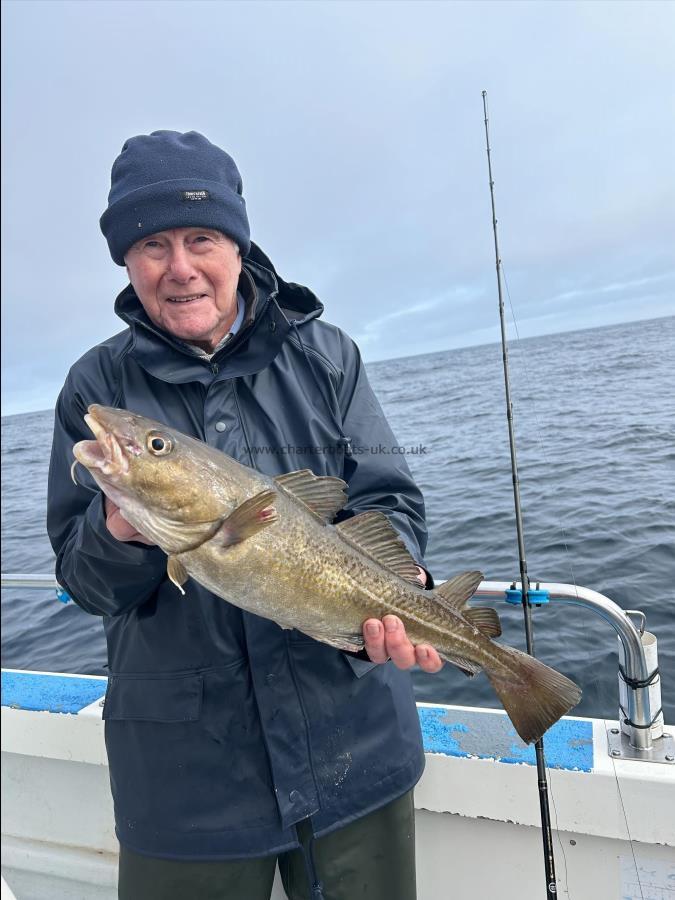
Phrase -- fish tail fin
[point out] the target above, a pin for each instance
(533, 695)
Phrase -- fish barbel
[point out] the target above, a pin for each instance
(267, 546)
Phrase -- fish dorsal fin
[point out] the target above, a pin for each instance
(455, 593)
(324, 495)
(373, 534)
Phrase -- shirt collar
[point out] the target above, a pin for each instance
(234, 328)
(241, 307)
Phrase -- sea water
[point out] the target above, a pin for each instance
(595, 429)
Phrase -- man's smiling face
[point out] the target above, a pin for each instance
(186, 280)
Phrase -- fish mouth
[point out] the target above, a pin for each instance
(107, 454)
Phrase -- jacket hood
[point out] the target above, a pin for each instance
(273, 307)
(297, 301)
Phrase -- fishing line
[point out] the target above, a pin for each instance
(539, 432)
(568, 559)
(549, 862)
(625, 818)
(557, 831)
(568, 556)
(542, 784)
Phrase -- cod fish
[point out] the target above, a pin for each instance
(267, 545)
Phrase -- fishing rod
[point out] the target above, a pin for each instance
(546, 830)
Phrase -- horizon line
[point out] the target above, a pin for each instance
(44, 409)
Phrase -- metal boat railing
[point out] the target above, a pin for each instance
(30, 581)
(639, 716)
(636, 674)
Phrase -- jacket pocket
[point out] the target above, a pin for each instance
(140, 698)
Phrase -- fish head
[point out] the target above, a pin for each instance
(161, 480)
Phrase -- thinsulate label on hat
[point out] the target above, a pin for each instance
(195, 195)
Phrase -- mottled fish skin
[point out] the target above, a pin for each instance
(293, 568)
(314, 581)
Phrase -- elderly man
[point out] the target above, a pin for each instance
(232, 743)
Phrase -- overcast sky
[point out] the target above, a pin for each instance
(358, 130)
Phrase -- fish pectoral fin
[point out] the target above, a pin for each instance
(177, 573)
(324, 495)
(372, 533)
(249, 518)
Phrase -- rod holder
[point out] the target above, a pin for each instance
(649, 645)
(635, 665)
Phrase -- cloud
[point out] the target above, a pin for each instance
(358, 130)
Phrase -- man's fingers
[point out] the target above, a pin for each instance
(373, 635)
(118, 526)
(397, 645)
(387, 639)
(428, 659)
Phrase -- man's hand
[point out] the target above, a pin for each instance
(120, 528)
(386, 639)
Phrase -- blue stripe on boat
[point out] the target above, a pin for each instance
(49, 693)
(465, 733)
(568, 744)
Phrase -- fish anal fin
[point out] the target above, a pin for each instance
(467, 666)
(485, 619)
(350, 642)
(372, 533)
(533, 695)
(176, 572)
(346, 641)
(324, 495)
(248, 518)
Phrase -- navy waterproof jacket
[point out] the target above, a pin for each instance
(223, 730)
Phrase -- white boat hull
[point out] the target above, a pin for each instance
(477, 818)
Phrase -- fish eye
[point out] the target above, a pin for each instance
(159, 444)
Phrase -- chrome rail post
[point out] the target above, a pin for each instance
(639, 711)
(14, 580)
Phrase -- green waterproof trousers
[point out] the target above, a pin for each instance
(373, 858)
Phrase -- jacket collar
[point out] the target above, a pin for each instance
(271, 306)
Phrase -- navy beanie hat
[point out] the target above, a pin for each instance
(170, 180)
